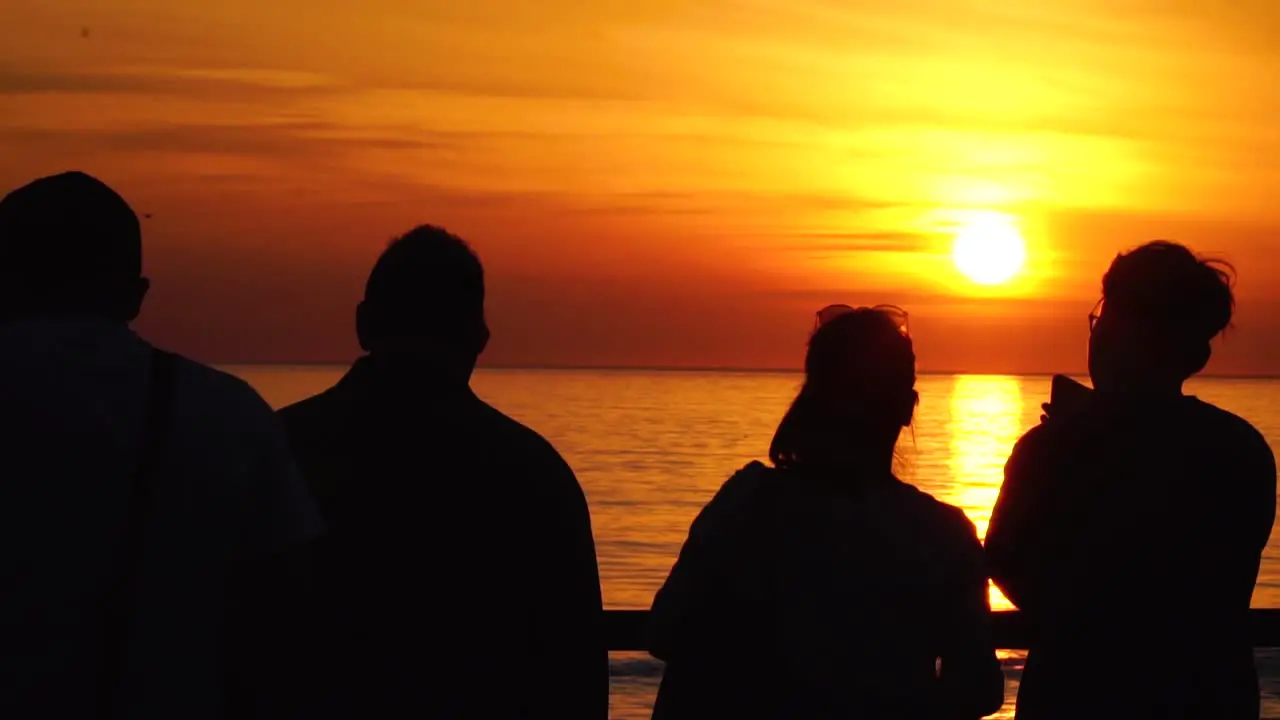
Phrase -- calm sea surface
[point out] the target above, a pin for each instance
(650, 448)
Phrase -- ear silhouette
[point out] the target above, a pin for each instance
(133, 307)
(364, 327)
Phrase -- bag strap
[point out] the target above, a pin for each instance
(122, 596)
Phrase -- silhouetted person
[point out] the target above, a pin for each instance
(824, 587)
(147, 502)
(462, 582)
(1129, 530)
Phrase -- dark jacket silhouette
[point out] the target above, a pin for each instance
(824, 587)
(148, 504)
(1138, 529)
(1134, 517)
(460, 577)
(816, 596)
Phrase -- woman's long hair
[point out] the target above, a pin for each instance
(858, 392)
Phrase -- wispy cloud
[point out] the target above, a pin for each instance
(283, 139)
(853, 242)
(775, 145)
(163, 81)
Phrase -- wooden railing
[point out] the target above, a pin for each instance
(625, 629)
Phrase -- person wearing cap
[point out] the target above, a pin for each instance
(463, 582)
(1135, 517)
(150, 509)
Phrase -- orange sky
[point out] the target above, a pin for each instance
(663, 182)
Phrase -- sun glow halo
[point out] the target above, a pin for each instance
(989, 249)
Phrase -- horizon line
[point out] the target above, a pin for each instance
(737, 370)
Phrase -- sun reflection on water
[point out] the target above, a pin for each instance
(984, 423)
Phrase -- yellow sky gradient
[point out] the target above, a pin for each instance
(660, 183)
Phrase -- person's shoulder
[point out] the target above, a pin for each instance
(735, 499)
(308, 407)
(1044, 442)
(956, 520)
(942, 515)
(1038, 438)
(749, 479)
(536, 469)
(223, 408)
(225, 404)
(939, 530)
(1227, 427)
(1224, 419)
(744, 486)
(319, 412)
(515, 441)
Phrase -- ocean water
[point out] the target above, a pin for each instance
(651, 447)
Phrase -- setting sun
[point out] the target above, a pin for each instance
(989, 248)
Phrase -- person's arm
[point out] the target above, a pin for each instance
(1262, 509)
(572, 652)
(691, 590)
(1012, 541)
(1246, 524)
(970, 681)
(269, 580)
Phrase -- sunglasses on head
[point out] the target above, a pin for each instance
(1094, 315)
(893, 312)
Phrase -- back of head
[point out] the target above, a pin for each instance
(70, 244)
(858, 392)
(1162, 305)
(424, 301)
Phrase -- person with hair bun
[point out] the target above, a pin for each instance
(1135, 517)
